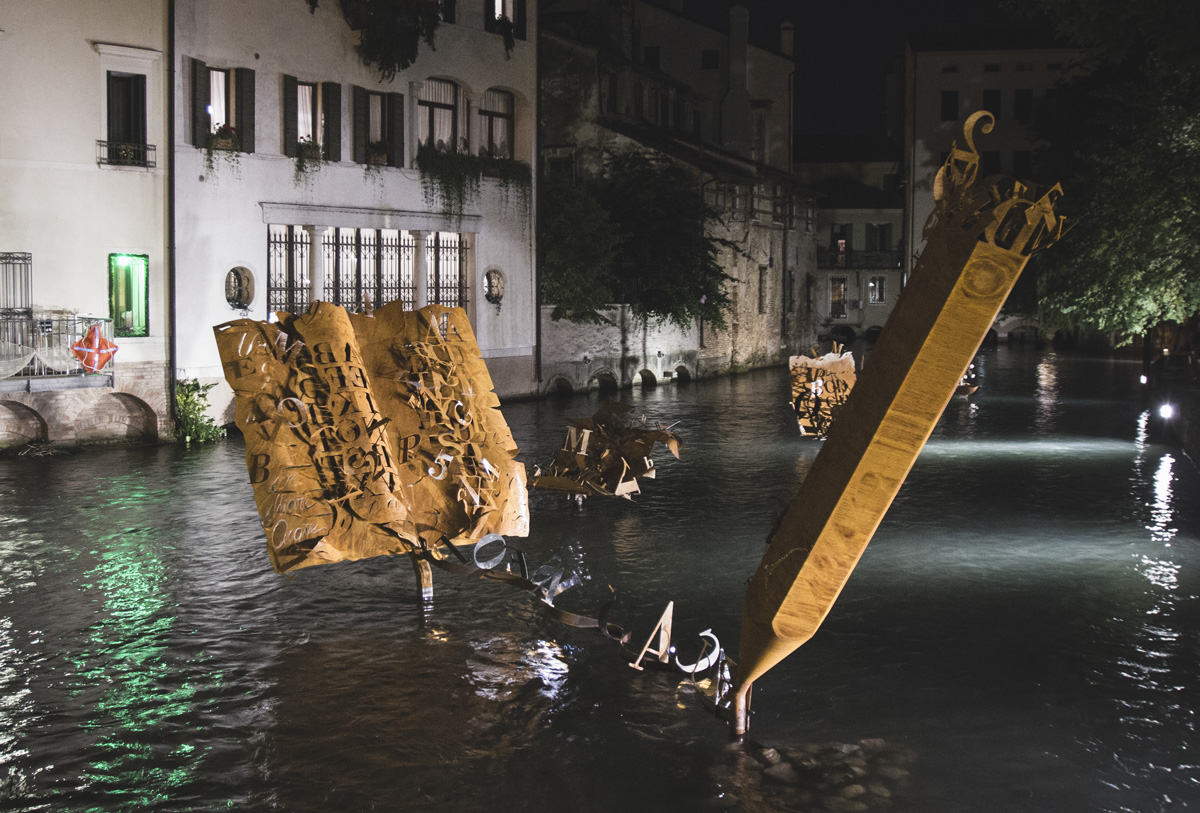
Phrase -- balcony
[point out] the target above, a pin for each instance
(122, 154)
(858, 260)
(35, 351)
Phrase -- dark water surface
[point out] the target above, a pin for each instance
(1026, 622)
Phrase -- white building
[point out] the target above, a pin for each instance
(947, 78)
(860, 223)
(282, 77)
(83, 219)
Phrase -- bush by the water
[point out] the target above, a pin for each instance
(191, 419)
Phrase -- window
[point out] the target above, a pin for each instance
(126, 120)
(837, 297)
(839, 238)
(287, 269)
(650, 56)
(710, 60)
(762, 289)
(1023, 105)
(367, 265)
(949, 105)
(1054, 66)
(991, 67)
(129, 305)
(1023, 164)
(1024, 67)
(495, 11)
(496, 123)
(446, 255)
(951, 68)
(312, 113)
(991, 102)
(989, 163)
(378, 128)
(437, 116)
(448, 9)
(222, 96)
(760, 135)
(879, 237)
(608, 92)
(877, 291)
(493, 286)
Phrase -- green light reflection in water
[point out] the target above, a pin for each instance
(144, 698)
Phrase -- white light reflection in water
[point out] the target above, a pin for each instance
(498, 670)
(1047, 395)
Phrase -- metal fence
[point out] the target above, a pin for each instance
(39, 345)
(125, 154)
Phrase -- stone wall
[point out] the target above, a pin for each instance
(72, 411)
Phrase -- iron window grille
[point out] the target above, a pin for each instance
(362, 264)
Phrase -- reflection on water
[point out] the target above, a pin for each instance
(1024, 626)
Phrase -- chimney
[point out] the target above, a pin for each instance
(787, 39)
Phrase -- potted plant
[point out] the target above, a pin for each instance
(309, 158)
(224, 143)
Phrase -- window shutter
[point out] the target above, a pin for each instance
(244, 114)
(519, 23)
(200, 121)
(137, 109)
(291, 128)
(448, 11)
(331, 106)
(489, 15)
(395, 129)
(361, 122)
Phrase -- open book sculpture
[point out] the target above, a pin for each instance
(371, 435)
(605, 454)
(977, 241)
(820, 385)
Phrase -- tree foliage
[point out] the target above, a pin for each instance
(637, 234)
(390, 31)
(1124, 140)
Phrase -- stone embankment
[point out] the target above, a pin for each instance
(839, 777)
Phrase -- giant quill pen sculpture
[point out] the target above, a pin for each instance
(980, 236)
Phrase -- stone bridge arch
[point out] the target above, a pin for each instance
(20, 424)
(1017, 327)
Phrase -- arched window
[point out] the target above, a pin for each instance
(496, 124)
(438, 113)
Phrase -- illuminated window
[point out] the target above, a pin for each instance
(378, 128)
(222, 99)
(496, 124)
(511, 10)
(877, 290)
(437, 116)
(837, 297)
(312, 114)
(129, 279)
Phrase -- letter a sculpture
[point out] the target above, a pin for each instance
(978, 239)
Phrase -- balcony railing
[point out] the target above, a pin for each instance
(37, 344)
(857, 259)
(117, 153)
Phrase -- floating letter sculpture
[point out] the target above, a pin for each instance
(820, 386)
(605, 454)
(371, 435)
(978, 239)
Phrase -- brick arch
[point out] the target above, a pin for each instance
(114, 416)
(153, 399)
(20, 424)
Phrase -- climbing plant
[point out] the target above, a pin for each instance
(390, 31)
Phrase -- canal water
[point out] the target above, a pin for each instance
(1023, 634)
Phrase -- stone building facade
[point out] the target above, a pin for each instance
(643, 76)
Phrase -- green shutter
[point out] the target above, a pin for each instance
(395, 129)
(331, 106)
(291, 129)
(200, 94)
(362, 121)
(244, 114)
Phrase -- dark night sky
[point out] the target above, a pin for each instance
(844, 47)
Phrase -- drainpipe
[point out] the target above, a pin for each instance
(172, 351)
(535, 243)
